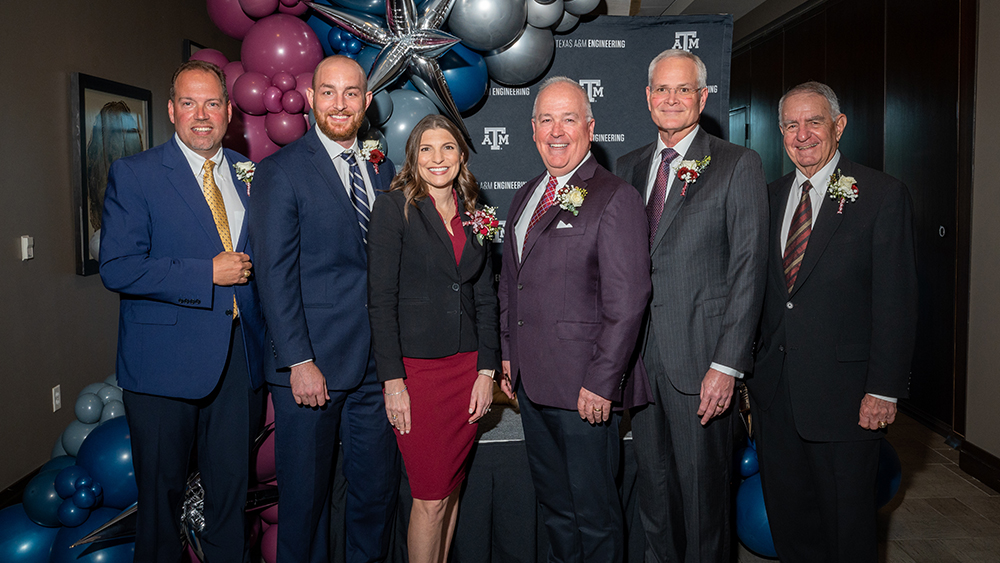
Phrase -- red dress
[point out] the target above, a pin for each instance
(440, 439)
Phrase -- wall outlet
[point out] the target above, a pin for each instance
(56, 398)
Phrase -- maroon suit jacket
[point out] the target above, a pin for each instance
(571, 308)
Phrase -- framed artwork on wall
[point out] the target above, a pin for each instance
(110, 120)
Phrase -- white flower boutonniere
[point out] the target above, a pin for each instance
(689, 170)
(370, 151)
(843, 188)
(571, 198)
(484, 223)
(244, 172)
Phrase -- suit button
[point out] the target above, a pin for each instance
(781, 347)
(454, 287)
(229, 313)
(789, 305)
(520, 286)
(652, 269)
(520, 323)
(197, 301)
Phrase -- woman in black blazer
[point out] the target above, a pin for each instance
(434, 320)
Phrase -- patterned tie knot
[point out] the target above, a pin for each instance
(208, 167)
(668, 155)
(348, 155)
(806, 186)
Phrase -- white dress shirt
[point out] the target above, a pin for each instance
(521, 227)
(223, 179)
(334, 149)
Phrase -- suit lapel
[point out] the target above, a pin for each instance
(640, 172)
(829, 221)
(698, 150)
(324, 166)
(516, 210)
(431, 216)
(180, 176)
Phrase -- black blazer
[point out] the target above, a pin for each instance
(421, 304)
(849, 325)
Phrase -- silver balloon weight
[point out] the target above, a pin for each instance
(523, 60)
(544, 14)
(580, 7)
(485, 25)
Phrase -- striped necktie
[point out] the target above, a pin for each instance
(214, 198)
(359, 196)
(548, 199)
(798, 237)
(654, 208)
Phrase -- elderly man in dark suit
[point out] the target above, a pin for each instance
(573, 288)
(190, 331)
(707, 212)
(836, 338)
(313, 199)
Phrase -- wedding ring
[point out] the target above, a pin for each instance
(394, 417)
(598, 409)
(721, 406)
(882, 424)
(246, 273)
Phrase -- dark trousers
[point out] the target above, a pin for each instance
(220, 429)
(573, 467)
(820, 496)
(684, 472)
(305, 449)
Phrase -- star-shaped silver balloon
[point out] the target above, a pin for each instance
(410, 42)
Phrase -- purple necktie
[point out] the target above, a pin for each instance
(654, 208)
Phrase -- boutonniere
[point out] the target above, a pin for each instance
(371, 153)
(689, 170)
(244, 172)
(571, 198)
(484, 223)
(844, 188)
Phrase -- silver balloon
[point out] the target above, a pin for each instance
(568, 22)
(74, 435)
(485, 25)
(110, 393)
(112, 380)
(408, 107)
(580, 7)
(542, 14)
(94, 388)
(409, 43)
(113, 409)
(523, 60)
(380, 109)
(88, 408)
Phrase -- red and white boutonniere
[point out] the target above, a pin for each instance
(843, 188)
(370, 151)
(244, 173)
(484, 223)
(689, 170)
(571, 198)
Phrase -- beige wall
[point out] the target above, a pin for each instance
(57, 327)
(983, 419)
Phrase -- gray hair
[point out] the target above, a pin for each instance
(670, 53)
(561, 80)
(811, 87)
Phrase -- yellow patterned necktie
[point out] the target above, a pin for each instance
(214, 198)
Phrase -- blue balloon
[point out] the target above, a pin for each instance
(107, 456)
(74, 435)
(112, 379)
(380, 109)
(748, 462)
(110, 393)
(84, 497)
(751, 518)
(354, 46)
(58, 450)
(88, 408)
(59, 462)
(112, 409)
(321, 28)
(92, 388)
(366, 57)
(890, 474)
(21, 540)
(66, 480)
(408, 108)
(71, 515)
(111, 551)
(466, 74)
(41, 501)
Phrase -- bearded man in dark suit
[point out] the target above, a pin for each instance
(707, 211)
(836, 338)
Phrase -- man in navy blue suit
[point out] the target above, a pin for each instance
(190, 330)
(312, 201)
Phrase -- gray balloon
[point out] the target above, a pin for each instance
(408, 108)
(542, 14)
(110, 393)
(380, 109)
(112, 379)
(58, 449)
(74, 435)
(94, 388)
(485, 25)
(88, 408)
(113, 409)
(580, 7)
(524, 60)
(568, 22)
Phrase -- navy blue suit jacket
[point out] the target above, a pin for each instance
(312, 265)
(158, 240)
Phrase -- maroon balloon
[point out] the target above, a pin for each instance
(272, 99)
(235, 137)
(229, 17)
(259, 8)
(292, 101)
(283, 80)
(296, 10)
(290, 3)
(302, 83)
(232, 71)
(259, 145)
(281, 42)
(283, 128)
(269, 545)
(248, 92)
(211, 56)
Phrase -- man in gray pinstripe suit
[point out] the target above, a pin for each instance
(706, 201)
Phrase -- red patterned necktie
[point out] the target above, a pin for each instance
(654, 208)
(548, 199)
(798, 237)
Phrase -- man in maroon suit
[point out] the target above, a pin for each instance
(573, 288)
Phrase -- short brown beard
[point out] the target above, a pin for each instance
(328, 131)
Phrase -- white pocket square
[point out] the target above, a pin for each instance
(563, 225)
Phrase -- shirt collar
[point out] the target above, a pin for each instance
(195, 160)
(333, 148)
(682, 146)
(821, 179)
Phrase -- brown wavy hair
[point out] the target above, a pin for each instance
(413, 186)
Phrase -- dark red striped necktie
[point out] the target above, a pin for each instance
(798, 237)
(547, 201)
